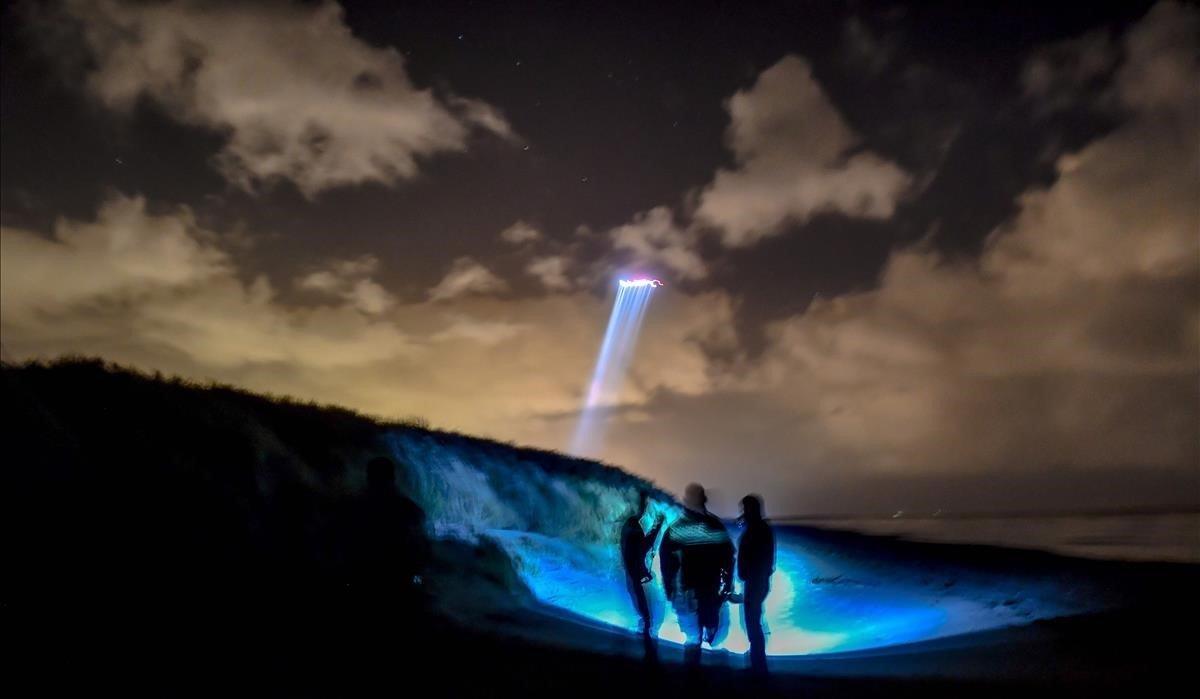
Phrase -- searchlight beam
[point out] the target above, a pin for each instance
(612, 363)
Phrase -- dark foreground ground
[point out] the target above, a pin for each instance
(98, 632)
(295, 646)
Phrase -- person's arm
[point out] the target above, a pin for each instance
(646, 545)
(652, 536)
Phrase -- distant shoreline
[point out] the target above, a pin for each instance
(1009, 514)
(1168, 535)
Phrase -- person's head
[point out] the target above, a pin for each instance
(694, 497)
(381, 475)
(752, 508)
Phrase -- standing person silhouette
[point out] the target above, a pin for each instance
(635, 545)
(755, 563)
(697, 568)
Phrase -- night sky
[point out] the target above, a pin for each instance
(928, 257)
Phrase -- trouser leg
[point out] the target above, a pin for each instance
(637, 593)
(709, 613)
(755, 596)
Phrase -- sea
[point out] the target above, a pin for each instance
(1136, 536)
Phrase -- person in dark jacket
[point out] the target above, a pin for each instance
(755, 563)
(697, 567)
(635, 545)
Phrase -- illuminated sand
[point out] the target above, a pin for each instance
(808, 611)
(560, 531)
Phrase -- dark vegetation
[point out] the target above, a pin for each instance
(168, 480)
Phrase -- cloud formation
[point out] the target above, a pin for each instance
(484, 332)
(134, 279)
(297, 95)
(1059, 369)
(1073, 341)
(551, 271)
(796, 157)
(122, 254)
(351, 281)
(466, 276)
(158, 291)
(520, 232)
(1058, 76)
(654, 239)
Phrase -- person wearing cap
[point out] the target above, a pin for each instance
(696, 556)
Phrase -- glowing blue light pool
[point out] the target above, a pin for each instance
(808, 610)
